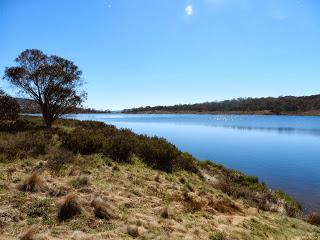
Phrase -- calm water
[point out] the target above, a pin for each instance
(283, 151)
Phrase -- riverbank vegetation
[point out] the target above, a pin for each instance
(288, 105)
(89, 179)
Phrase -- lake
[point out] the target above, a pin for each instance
(283, 151)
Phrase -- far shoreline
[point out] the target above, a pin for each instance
(266, 113)
(253, 113)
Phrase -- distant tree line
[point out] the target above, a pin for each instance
(287, 104)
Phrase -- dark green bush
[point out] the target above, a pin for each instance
(186, 162)
(313, 218)
(83, 141)
(92, 125)
(57, 158)
(119, 145)
(119, 148)
(20, 125)
(9, 110)
(24, 144)
(157, 153)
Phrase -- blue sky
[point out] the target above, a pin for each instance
(161, 52)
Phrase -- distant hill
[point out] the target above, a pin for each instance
(305, 105)
(30, 106)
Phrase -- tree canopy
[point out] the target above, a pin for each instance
(52, 81)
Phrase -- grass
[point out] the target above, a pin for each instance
(102, 196)
(248, 188)
(81, 181)
(42, 208)
(218, 235)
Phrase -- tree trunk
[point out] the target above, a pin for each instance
(48, 119)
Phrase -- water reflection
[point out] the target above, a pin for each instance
(282, 151)
(314, 132)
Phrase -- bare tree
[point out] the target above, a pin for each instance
(53, 82)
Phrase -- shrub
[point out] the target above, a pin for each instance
(23, 144)
(292, 207)
(186, 162)
(83, 141)
(92, 125)
(119, 148)
(35, 143)
(19, 125)
(313, 218)
(10, 108)
(58, 158)
(157, 153)
(69, 208)
(119, 145)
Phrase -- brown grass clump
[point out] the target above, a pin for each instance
(133, 231)
(69, 208)
(157, 178)
(102, 210)
(225, 206)
(165, 213)
(182, 180)
(313, 218)
(193, 202)
(31, 234)
(115, 168)
(34, 183)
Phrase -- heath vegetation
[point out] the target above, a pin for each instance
(88, 179)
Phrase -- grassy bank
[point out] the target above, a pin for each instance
(88, 180)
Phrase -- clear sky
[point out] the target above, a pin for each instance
(161, 52)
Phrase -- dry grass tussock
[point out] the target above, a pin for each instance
(32, 234)
(69, 208)
(102, 210)
(34, 183)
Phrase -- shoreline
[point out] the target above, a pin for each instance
(262, 113)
